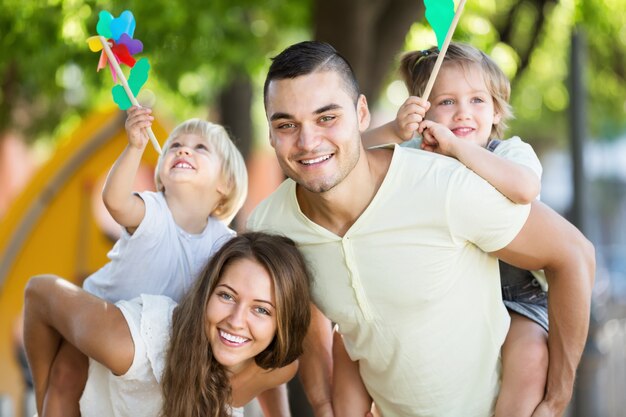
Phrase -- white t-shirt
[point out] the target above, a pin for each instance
(158, 258)
(415, 294)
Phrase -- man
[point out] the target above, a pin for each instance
(403, 245)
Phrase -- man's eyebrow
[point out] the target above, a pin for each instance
(327, 108)
(323, 109)
(279, 115)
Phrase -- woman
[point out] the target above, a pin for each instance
(236, 334)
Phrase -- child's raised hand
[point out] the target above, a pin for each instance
(437, 138)
(409, 116)
(138, 119)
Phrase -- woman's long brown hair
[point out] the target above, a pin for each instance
(194, 384)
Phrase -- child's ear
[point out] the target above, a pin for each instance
(223, 187)
(496, 118)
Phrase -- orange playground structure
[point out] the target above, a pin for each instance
(58, 224)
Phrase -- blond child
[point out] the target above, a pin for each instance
(466, 115)
(167, 236)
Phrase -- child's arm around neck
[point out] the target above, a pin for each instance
(402, 128)
(517, 182)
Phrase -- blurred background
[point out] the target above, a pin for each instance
(59, 131)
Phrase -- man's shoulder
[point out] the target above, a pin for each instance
(421, 162)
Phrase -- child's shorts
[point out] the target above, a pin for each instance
(523, 295)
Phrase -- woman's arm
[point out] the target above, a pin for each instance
(56, 309)
(273, 399)
(275, 402)
(316, 364)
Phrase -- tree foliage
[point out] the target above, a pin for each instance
(196, 48)
(193, 46)
(530, 40)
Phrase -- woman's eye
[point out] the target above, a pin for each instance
(262, 310)
(478, 100)
(225, 296)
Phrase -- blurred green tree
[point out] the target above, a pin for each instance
(212, 55)
(196, 49)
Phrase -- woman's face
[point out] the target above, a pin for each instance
(241, 314)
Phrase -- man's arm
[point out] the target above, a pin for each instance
(548, 241)
(350, 397)
(316, 364)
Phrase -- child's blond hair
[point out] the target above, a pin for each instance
(233, 165)
(416, 67)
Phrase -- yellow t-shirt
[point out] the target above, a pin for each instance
(416, 299)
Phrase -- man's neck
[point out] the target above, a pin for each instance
(339, 208)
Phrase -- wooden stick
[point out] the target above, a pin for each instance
(129, 93)
(444, 48)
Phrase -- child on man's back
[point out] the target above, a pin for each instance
(469, 107)
(168, 235)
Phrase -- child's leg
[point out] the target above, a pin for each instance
(524, 368)
(68, 377)
(350, 398)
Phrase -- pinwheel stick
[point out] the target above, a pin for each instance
(131, 96)
(444, 48)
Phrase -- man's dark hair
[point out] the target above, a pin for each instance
(307, 57)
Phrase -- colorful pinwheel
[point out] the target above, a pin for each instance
(115, 40)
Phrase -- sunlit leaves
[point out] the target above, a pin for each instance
(193, 45)
(540, 93)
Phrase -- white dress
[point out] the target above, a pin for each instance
(136, 393)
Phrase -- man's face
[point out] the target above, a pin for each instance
(315, 128)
